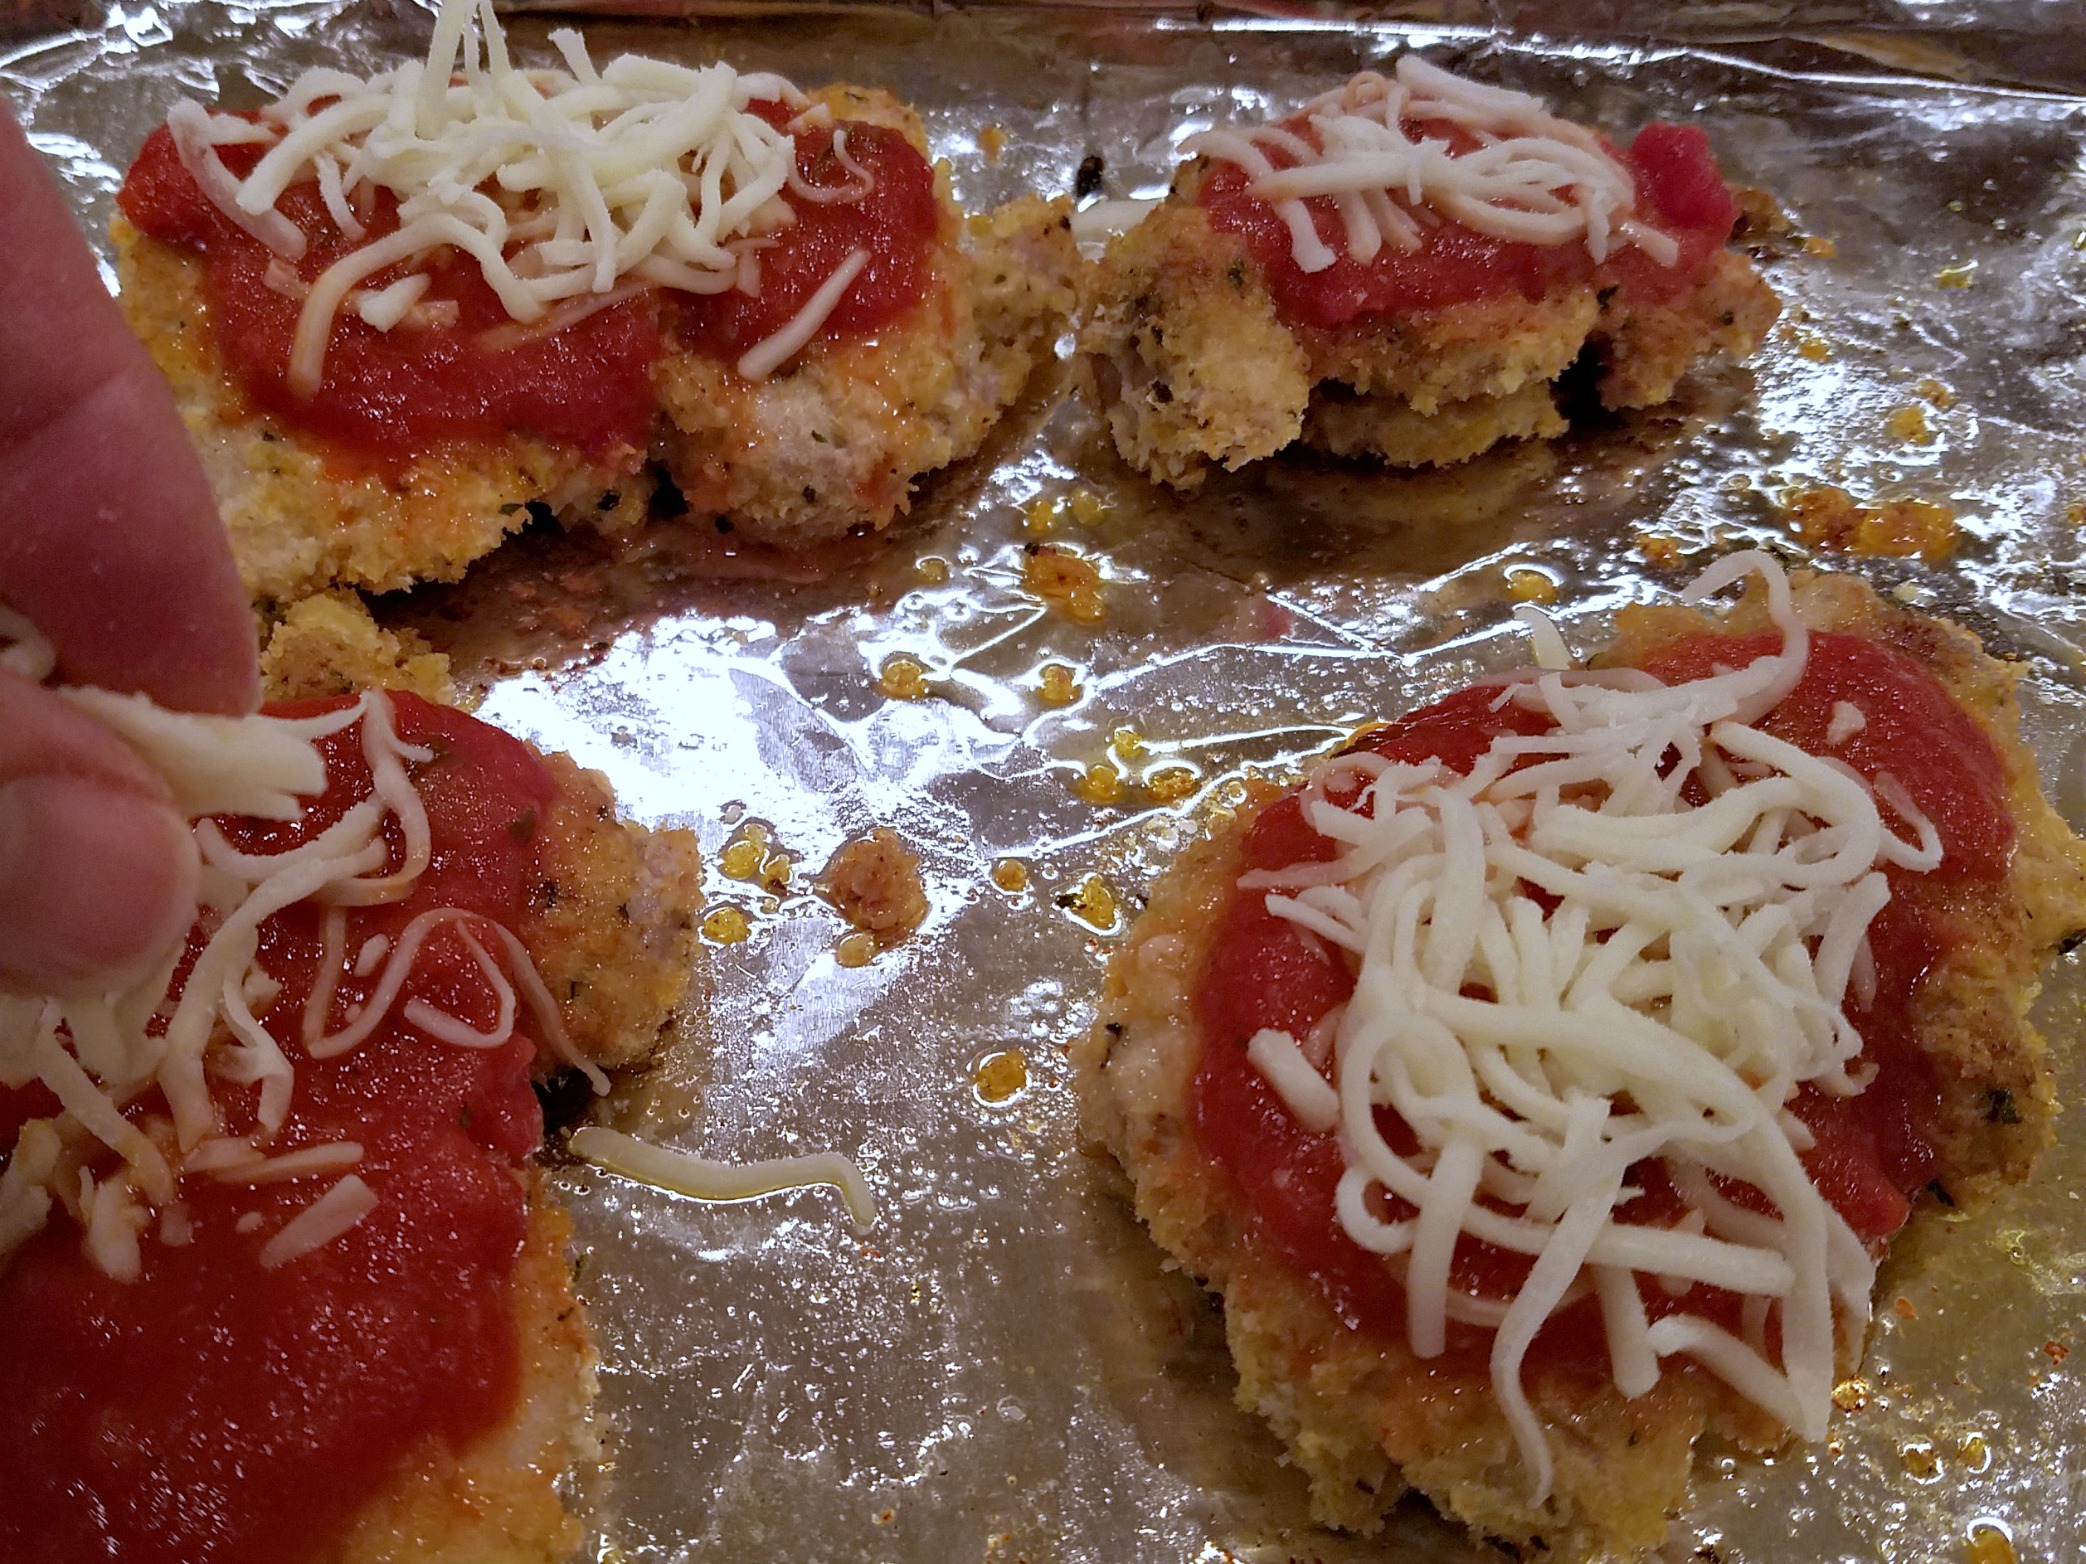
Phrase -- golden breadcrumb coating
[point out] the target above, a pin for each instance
(612, 925)
(835, 440)
(1192, 364)
(329, 645)
(1361, 1415)
(1392, 430)
(300, 526)
(1196, 369)
(498, 1502)
(874, 883)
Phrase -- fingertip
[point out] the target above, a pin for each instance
(100, 884)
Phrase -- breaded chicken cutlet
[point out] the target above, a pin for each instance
(333, 1319)
(1403, 270)
(1523, 1146)
(416, 328)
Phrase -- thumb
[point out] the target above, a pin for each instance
(97, 870)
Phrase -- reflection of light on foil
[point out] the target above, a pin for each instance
(782, 1386)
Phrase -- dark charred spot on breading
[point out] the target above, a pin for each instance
(1088, 180)
(1999, 1106)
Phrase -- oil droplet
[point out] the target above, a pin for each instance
(1068, 582)
(1935, 392)
(726, 926)
(1126, 744)
(1041, 515)
(992, 141)
(1011, 875)
(1000, 1076)
(1974, 1454)
(743, 856)
(1525, 585)
(1816, 349)
(1922, 1460)
(1956, 276)
(903, 678)
(1090, 509)
(1909, 423)
(933, 570)
(1093, 903)
(775, 872)
(1099, 784)
(1988, 1544)
(1851, 1395)
(1058, 686)
(856, 950)
(1820, 246)
(1171, 784)
(1658, 549)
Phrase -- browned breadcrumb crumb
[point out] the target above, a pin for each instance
(1363, 1417)
(329, 645)
(1828, 517)
(1760, 215)
(874, 883)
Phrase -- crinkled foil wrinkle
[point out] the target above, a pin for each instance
(1003, 1368)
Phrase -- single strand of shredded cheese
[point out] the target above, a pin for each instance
(699, 1178)
(771, 353)
(318, 1224)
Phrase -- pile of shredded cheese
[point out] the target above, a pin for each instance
(571, 189)
(1532, 178)
(201, 1045)
(1692, 968)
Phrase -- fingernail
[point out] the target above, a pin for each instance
(96, 885)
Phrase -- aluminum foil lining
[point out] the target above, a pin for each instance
(1005, 1368)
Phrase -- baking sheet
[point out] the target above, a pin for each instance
(1003, 1368)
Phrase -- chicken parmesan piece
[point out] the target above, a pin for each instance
(1541, 1082)
(401, 321)
(279, 1280)
(1403, 270)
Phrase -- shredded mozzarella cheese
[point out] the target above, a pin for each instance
(1532, 178)
(97, 1054)
(1586, 956)
(318, 1224)
(700, 1178)
(559, 184)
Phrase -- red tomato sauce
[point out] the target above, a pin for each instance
(1680, 190)
(1874, 1151)
(896, 222)
(213, 1412)
(387, 396)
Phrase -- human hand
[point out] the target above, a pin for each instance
(111, 544)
